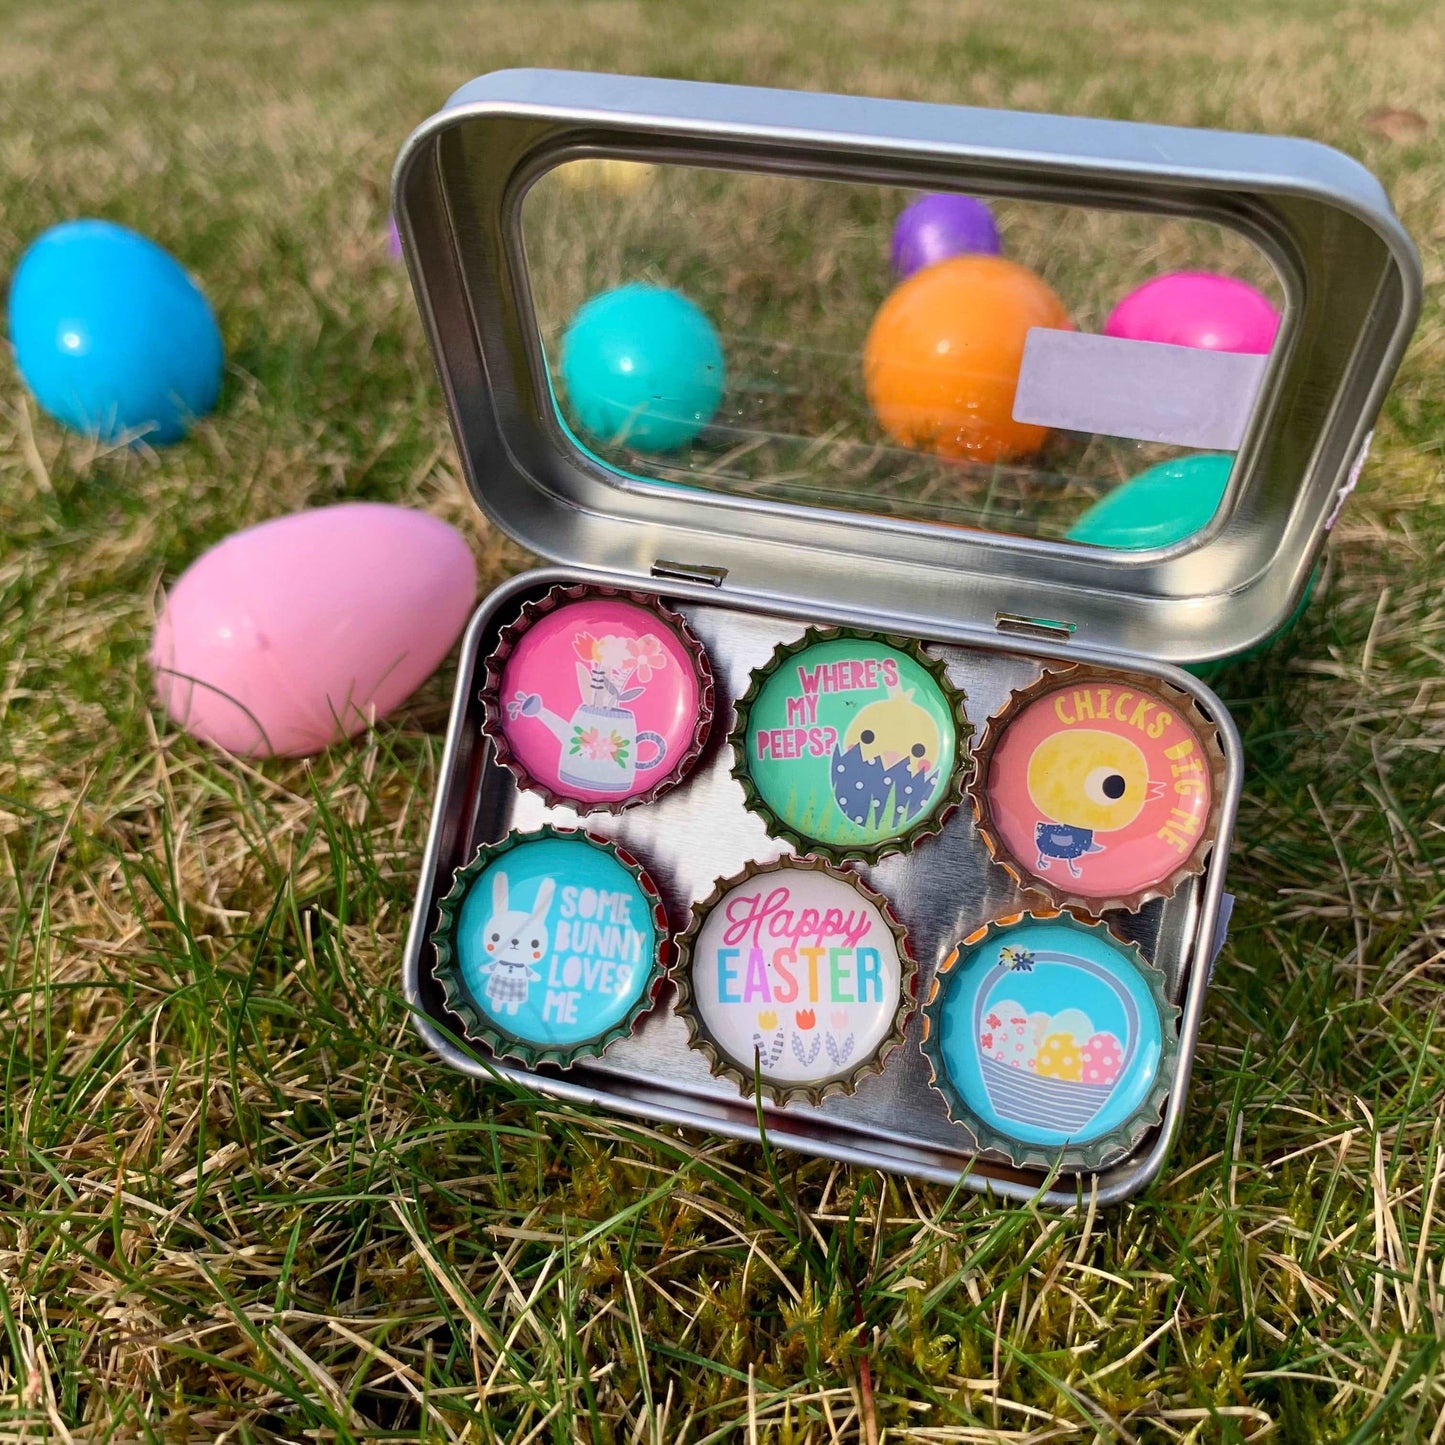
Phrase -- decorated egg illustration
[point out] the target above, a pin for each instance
(1050, 1039)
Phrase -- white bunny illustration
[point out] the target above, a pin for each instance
(515, 942)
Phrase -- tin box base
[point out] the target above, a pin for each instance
(941, 891)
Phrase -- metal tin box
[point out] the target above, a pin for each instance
(790, 509)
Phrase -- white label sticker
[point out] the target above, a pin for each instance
(1144, 390)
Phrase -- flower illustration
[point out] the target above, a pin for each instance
(586, 646)
(839, 1018)
(646, 656)
(594, 745)
(805, 1018)
(1019, 960)
(767, 1020)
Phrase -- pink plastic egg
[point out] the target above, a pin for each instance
(295, 633)
(1197, 308)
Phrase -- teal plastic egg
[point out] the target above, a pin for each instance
(1163, 505)
(643, 368)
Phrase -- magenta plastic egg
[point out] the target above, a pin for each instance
(1197, 308)
(293, 634)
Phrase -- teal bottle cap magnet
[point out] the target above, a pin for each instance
(550, 945)
(1049, 1036)
(797, 971)
(848, 745)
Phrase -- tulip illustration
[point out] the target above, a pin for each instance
(767, 1021)
(805, 1018)
(839, 1018)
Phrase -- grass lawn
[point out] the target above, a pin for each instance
(236, 1198)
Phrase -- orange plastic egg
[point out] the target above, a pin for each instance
(941, 362)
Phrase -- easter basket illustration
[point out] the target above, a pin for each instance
(1053, 1101)
(1060, 1040)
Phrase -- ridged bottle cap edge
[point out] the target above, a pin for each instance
(720, 1062)
(1056, 678)
(560, 595)
(1110, 1146)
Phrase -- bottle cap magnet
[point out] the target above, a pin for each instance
(849, 745)
(550, 945)
(1049, 1036)
(796, 970)
(1097, 788)
(597, 698)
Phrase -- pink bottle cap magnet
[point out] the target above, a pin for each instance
(1096, 788)
(795, 974)
(598, 699)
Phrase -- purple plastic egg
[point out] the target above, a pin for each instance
(1200, 309)
(939, 226)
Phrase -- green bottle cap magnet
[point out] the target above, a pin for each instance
(849, 745)
(796, 971)
(550, 945)
(1051, 1040)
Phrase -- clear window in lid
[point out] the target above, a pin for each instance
(1061, 372)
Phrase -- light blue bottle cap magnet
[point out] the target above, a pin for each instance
(550, 945)
(1051, 1040)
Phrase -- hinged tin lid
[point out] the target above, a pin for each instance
(759, 399)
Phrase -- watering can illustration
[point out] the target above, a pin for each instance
(601, 746)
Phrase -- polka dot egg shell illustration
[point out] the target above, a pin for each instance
(851, 742)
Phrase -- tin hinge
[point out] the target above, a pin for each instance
(1044, 627)
(689, 572)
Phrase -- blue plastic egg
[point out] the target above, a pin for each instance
(643, 368)
(111, 335)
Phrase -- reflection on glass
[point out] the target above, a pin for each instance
(1015, 366)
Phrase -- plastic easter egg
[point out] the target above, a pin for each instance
(111, 335)
(1161, 506)
(939, 226)
(293, 634)
(643, 368)
(1200, 309)
(941, 361)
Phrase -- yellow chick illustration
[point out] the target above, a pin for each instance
(893, 729)
(1083, 782)
(1089, 779)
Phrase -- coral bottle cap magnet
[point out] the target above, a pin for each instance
(1096, 788)
(598, 699)
(848, 745)
(796, 970)
(1049, 1036)
(550, 945)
